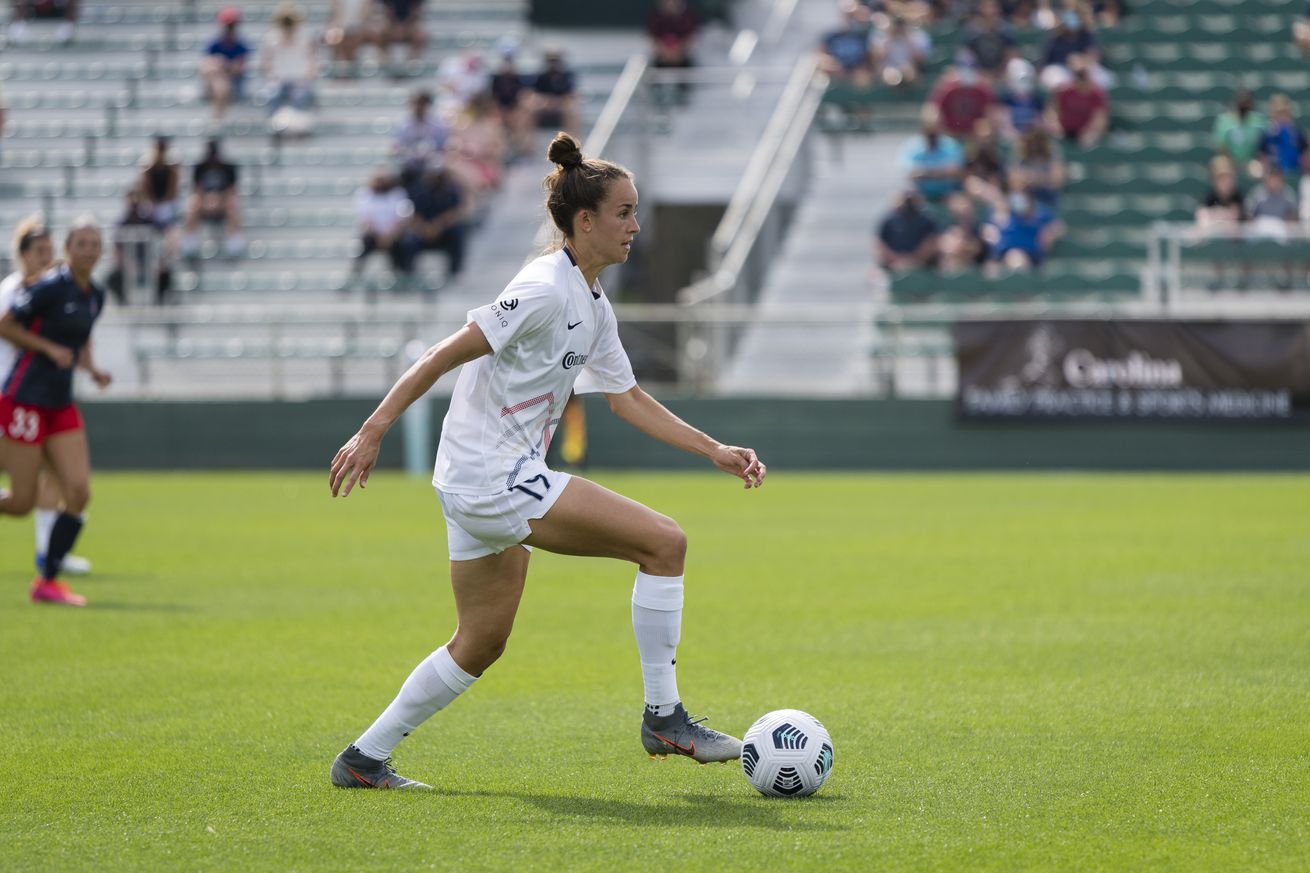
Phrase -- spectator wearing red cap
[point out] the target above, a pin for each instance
(223, 68)
(24, 10)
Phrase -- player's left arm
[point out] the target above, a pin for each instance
(651, 417)
(86, 362)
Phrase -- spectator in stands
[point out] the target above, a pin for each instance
(26, 10)
(991, 40)
(1283, 144)
(672, 28)
(985, 161)
(421, 136)
(404, 25)
(962, 96)
(1108, 12)
(159, 184)
(1273, 214)
(288, 62)
(459, 78)
(1220, 215)
(1080, 109)
(4, 109)
(438, 221)
(1075, 35)
(134, 255)
(555, 95)
(961, 245)
(511, 94)
(934, 161)
(900, 52)
(1020, 106)
(383, 210)
(907, 236)
(223, 68)
(1239, 132)
(1041, 165)
(350, 28)
(477, 149)
(1301, 31)
(845, 53)
(214, 198)
(1021, 232)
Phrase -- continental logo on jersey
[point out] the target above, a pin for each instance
(573, 359)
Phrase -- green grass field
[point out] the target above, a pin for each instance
(1019, 672)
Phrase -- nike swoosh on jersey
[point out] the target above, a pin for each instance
(571, 326)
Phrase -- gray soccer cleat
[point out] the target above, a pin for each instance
(354, 769)
(678, 734)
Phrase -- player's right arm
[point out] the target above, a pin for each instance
(356, 458)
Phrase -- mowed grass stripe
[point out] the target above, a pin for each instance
(1019, 672)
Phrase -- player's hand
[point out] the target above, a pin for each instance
(742, 463)
(103, 378)
(62, 357)
(353, 463)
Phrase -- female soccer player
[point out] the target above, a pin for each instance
(51, 322)
(35, 254)
(551, 326)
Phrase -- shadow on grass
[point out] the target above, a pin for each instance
(698, 810)
(120, 606)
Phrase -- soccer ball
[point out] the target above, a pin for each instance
(787, 753)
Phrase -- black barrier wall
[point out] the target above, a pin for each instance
(789, 434)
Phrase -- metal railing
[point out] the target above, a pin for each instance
(1256, 267)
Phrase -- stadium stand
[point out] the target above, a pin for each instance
(1176, 66)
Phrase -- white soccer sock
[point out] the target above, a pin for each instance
(45, 522)
(657, 624)
(432, 686)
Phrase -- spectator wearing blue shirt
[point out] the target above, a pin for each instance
(845, 54)
(1284, 143)
(1021, 106)
(1075, 35)
(223, 68)
(1021, 232)
(907, 236)
(555, 94)
(935, 162)
(438, 219)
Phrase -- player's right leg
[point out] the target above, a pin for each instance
(487, 594)
(588, 519)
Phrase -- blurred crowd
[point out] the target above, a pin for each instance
(474, 115)
(1258, 185)
(986, 169)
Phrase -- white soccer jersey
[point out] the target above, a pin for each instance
(8, 351)
(547, 330)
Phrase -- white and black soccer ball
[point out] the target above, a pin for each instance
(787, 753)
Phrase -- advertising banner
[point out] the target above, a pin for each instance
(1222, 370)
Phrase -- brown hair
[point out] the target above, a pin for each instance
(577, 182)
(29, 230)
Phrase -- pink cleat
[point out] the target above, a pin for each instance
(54, 591)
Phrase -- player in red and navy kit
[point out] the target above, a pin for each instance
(51, 322)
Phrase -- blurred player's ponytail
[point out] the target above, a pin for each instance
(577, 183)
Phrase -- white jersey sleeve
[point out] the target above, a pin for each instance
(520, 311)
(608, 369)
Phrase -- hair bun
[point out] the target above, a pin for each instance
(565, 151)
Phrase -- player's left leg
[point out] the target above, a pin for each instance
(70, 458)
(588, 519)
(487, 594)
(49, 500)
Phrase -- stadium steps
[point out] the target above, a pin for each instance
(823, 263)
